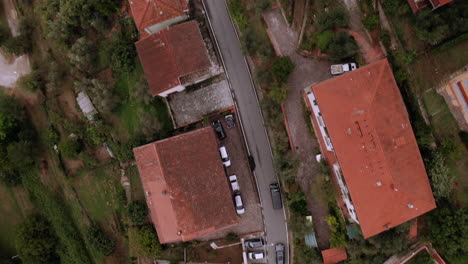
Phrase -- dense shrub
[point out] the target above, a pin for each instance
(35, 242)
(379, 248)
(237, 9)
(137, 212)
(231, 237)
(440, 176)
(338, 236)
(70, 147)
(282, 67)
(336, 17)
(298, 203)
(342, 47)
(123, 51)
(255, 43)
(30, 82)
(371, 22)
(149, 241)
(82, 55)
(100, 241)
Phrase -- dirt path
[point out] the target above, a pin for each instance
(306, 72)
(370, 51)
(11, 68)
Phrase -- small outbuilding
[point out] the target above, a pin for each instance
(86, 105)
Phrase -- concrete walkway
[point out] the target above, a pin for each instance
(306, 72)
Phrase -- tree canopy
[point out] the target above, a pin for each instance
(36, 242)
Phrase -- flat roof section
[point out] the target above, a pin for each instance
(186, 188)
(374, 143)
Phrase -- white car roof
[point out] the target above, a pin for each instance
(223, 152)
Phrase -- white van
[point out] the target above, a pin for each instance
(224, 156)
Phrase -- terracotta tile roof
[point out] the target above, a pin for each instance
(416, 6)
(374, 144)
(186, 187)
(334, 255)
(146, 13)
(172, 53)
(439, 3)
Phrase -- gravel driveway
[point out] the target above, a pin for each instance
(306, 72)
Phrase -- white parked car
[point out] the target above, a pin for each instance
(239, 204)
(342, 68)
(224, 156)
(256, 255)
(234, 183)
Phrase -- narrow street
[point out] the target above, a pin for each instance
(251, 119)
(306, 73)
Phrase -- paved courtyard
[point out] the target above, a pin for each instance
(193, 104)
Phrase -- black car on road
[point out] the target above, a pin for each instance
(276, 196)
(279, 248)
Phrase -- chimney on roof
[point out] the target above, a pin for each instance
(148, 193)
(179, 233)
(410, 205)
(164, 192)
(379, 183)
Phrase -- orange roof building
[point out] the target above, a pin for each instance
(151, 16)
(416, 5)
(186, 188)
(334, 255)
(366, 136)
(174, 58)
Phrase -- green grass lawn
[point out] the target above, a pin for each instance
(429, 70)
(99, 191)
(135, 182)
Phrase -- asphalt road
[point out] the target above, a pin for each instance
(251, 118)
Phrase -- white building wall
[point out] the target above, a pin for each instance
(178, 88)
(320, 121)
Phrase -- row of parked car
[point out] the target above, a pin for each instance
(218, 127)
(257, 253)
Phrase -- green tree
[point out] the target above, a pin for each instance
(70, 147)
(35, 241)
(137, 212)
(281, 68)
(447, 228)
(149, 241)
(100, 241)
(21, 155)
